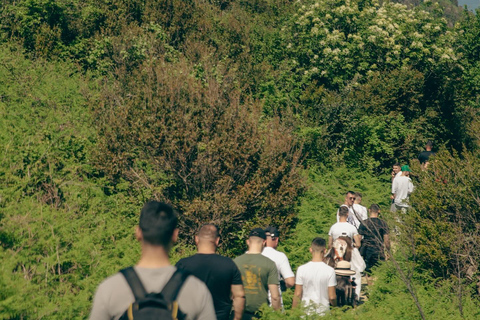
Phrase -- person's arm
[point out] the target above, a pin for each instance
(275, 294)
(332, 296)
(386, 241)
(297, 296)
(99, 310)
(285, 270)
(394, 189)
(290, 282)
(330, 241)
(206, 309)
(410, 187)
(358, 240)
(273, 285)
(238, 297)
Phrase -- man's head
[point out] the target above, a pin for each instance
(318, 246)
(396, 168)
(256, 240)
(158, 224)
(429, 145)
(207, 235)
(358, 197)
(374, 210)
(272, 236)
(343, 213)
(349, 198)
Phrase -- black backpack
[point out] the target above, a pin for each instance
(150, 306)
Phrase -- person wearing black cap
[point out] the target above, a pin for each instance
(285, 273)
(259, 275)
(156, 232)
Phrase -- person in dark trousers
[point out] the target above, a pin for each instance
(259, 275)
(424, 156)
(156, 231)
(375, 238)
(220, 274)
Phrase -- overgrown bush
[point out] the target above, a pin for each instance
(445, 224)
(173, 132)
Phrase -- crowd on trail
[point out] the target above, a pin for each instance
(209, 286)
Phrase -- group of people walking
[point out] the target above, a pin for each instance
(209, 286)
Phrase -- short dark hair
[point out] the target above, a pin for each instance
(158, 220)
(318, 244)
(350, 192)
(343, 211)
(429, 143)
(397, 164)
(208, 231)
(374, 207)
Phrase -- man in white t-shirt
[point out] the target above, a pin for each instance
(270, 251)
(343, 228)
(401, 188)
(360, 211)
(315, 282)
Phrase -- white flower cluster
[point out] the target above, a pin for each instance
(337, 36)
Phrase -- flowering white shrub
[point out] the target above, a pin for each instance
(347, 38)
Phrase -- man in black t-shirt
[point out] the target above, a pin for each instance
(424, 156)
(220, 274)
(375, 238)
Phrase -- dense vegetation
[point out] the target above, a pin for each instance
(239, 112)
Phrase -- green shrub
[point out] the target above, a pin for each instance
(179, 135)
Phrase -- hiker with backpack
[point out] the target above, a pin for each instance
(153, 288)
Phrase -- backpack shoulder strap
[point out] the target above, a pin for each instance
(173, 286)
(134, 282)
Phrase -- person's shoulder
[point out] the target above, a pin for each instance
(352, 227)
(111, 282)
(364, 224)
(223, 261)
(240, 258)
(223, 258)
(185, 260)
(274, 253)
(328, 268)
(195, 299)
(265, 259)
(303, 267)
(192, 282)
